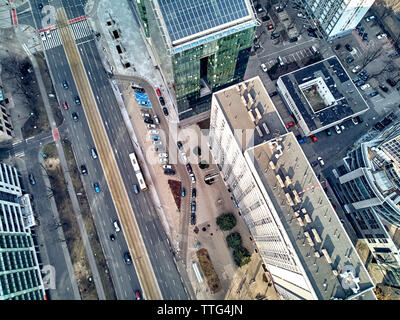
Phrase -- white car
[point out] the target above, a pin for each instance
(163, 160)
(184, 157)
(365, 86)
(156, 119)
(321, 162)
(192, 177)
(337, 129)
(381, 35)
(145, 115)
(264, 67)
(48, 34)
(354, 51)
(163, 155)
(151, 126)
(355, 69)
(368, 19)
(154, 131)
(300, 15)
(43, 36)
(157, 143)
(342, 127)
(167, 166)
(116, 226)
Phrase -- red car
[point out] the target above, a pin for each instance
(313, 138)
(65, 105)
(270, 27)
(137, 295)
(290, 124)
(158, 92)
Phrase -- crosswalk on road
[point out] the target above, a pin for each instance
(51, 39)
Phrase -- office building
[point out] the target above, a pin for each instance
(20, 277)
(201, 46)
(321, 96)
(295, 229)
(367, 185)
(337, 17)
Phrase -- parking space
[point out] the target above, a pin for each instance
(143, 100)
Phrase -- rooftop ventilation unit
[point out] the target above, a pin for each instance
(350, 280)
(259, 131)
(316, 235)
(300, 221)
(296, 214)
(251, 100)
(289, 199)
(326, 254)
(307, 217)
(251, 116)
(266, 128)
(243, 100)
(288, 181)
(316, 254)
(237, 87)
(310, 242)
(278, 177)
(259, 116)
(272, 165)
(303, 210)
(279, 151)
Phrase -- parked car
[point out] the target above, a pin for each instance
(154, 131)
(290, 124)
(189, 168)
(31, 179)
(163, 155)
(321, 162)
(96, 187)
(342, 127)
(77, 100)
(165, 110)
(348, 47)
(137, 295)
(127, 258)
(43, 36)
(294, 39)
(194, 193)
(112, 237)
(273, 93)
(355, 69)
(84, 170)
(369, 18)
(156, 119)
(179, 144)
(365, 86)
(193, 219)
(373, 94)
(270, 27)
(193, 178)
(328, 132)
(356, 79)
(338, 46)
(163, 160)
(360, 83)
(381, 35)
(65, 105)
(314, 163)
(313, 138)
(383, 88)
(158, 92)
(184, 157)
(157, 143)
(143, 103)
(151, 126)
(337, 129)
(148, 120)
(359, 119)
(365, 36)
(391, 82)
(75, 116)
(169, 172)
(264, 67)
(162, 101)
(275, 36)
(146, 115)
(349, 59)
(166, 166)
(301, 139)
(40, 6)
(135, 188)
(193, 206)
(182, 192)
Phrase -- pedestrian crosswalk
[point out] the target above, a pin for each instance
(51, 39)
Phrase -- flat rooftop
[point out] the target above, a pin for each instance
(186, 20)
(329, 233)
(332, 77)
(241, 100)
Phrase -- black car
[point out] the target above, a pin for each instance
(272, 94)
(359, 119)
(162, 101)
(383, 88)
(77, 100)
(338, 46)
(312, 34)
(84, 170)
(75, 116)
(365, 36)
(348, 47)
(349, 59)
(294, 39)
(265, 18)
(165, 110)
(179, 144)
(193, 206)
(112, 237)
(275, 36)
(194, 193)
(147, 120)
(32, 179)
(40, 6)
(65, 84)
(127, 258)
(138, 89)
(391, 82)
(169, 172)
(189, 168)
(193, 219)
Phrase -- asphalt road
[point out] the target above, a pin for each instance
(124, 277)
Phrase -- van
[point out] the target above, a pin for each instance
(93, 152)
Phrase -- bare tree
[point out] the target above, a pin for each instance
(370, 56)
(389, 67)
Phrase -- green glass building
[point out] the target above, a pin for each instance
(202, 46)
(20, 276)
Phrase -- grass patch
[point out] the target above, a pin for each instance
(69, 224)
(208, 270)
(175, 187)
(89, 223)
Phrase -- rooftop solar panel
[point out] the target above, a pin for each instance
(184, 18)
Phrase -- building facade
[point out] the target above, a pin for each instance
(368, 187)
(337, 17)
(202, 46)
(20, 275)
(297, 234)
(6, 129)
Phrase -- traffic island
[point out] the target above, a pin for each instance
(176, 187)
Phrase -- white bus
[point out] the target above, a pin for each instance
(138, 172)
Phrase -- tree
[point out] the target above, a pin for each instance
(370, 56)
(226, 221)
(241, 256)
(234, 240)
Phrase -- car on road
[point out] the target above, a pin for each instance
(365, 86)
(154, 131)
(182, 192)
(156, 119)
(275, 36)
(116, 226)
(40, 6)
(391, 82)
(162, 101)
(165, 110)
(348, 47)
(179, 144)
(169, 172)
(193, 178)
(93, 152)
(32, 179)
(127, 258)
(77, 100)
(270, 27)
(321, 162)
(328, 132)
(381, 35)
(273, 94)
(313, 138)
(84, 170)
(75, 116)
(137, 295)
(264, 67)
(314, 163)
(373, 94)
(65, 105)
(151, 126)
(355, 69)
(65, 84)
(354, 120)
(158, 91)
(383, 88)
(135, 188)
(96, 187)
(337, 129)
(349, 59)
(293, 39)
(194, 192)
(189, 168)
(112, 236)
(290, 124)
(148, 120)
